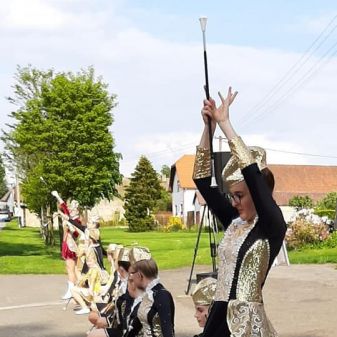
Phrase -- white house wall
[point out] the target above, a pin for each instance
(182, 200)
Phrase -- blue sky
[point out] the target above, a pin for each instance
(150, 54)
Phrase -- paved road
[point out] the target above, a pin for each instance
(301, 301)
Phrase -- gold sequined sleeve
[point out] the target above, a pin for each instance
(241, 152)
(202, 164)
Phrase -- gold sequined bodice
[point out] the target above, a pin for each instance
(252, 270)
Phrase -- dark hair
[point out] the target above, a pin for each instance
(124, 264)
(148, 268)
(268, 178)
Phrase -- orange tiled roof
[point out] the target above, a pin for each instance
(290, 180)
(313, 180)
(184, 170)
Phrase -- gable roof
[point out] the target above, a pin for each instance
(183, 167)
(290, 180)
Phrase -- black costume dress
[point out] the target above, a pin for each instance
(246, 251)
(155, 315)
(117, 319)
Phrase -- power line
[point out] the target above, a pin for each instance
(289, 74)
(293, 71)
(298, 84)
(302, 153)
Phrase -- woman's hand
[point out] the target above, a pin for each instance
(207, 112)
(221, 114)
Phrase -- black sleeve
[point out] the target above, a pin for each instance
(270, 215)
(216, 201)
(164, 304)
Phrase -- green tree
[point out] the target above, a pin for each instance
(165, 201)
(165, 171)
(141, 197)
(61, 132)
(3, 183)
(300, 202)
(327, 206)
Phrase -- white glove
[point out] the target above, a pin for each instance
(55, 194)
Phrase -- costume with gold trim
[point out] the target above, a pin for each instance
(155, 314)
(247, 250)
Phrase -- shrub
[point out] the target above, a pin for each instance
(300, 202)
(306, 228)
(174, 224)
(328, 205)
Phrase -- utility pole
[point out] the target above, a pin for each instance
(220, 142)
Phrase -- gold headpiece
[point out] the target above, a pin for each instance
(124, 254)
(111, 248)
(204, 291)
(116, 252)
(139, 254)
(231, 174)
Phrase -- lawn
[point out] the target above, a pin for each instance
(22, 251)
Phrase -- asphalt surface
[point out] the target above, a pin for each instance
(300, 300)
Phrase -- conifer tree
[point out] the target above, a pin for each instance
(141, 197)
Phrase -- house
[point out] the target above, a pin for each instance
(182, 187)
(290, 180)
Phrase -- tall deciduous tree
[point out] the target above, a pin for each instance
(141, 197)
(61, 132)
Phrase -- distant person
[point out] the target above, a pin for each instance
(69, 247)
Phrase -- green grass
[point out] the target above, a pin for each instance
(311, 255)
(22, 251)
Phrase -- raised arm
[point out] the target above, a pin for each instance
(266, 208)
(214, 198)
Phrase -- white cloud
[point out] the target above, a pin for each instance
(21, 14)
(159, 83)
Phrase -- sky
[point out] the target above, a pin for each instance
(281, 56)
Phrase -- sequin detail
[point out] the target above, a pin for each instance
(202, 164)
(241, 152)
(248, 319)
(156, 326)
(253, 272)
(242, 156)
(228, 252)
(142, 313)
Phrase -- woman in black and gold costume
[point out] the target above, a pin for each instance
(254, 229)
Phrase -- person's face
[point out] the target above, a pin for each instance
(137, 278)
(122, 272)
(242, 200)
(201, 312)
(133, 291)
